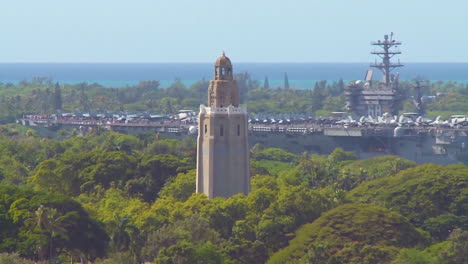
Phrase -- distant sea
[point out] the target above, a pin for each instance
(300, 75)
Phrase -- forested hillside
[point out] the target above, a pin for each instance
(114, 198)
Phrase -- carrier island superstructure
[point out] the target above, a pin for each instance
(370, 98)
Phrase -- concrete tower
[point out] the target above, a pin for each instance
(223, 149)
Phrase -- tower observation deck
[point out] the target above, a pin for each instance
(389, 48)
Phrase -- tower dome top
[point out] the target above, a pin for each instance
(223, 62)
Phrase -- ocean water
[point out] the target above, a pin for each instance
(301, 75)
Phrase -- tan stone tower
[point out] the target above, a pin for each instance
(223, 149)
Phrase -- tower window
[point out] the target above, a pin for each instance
(221, 131)
(206, 128)
(238, 130)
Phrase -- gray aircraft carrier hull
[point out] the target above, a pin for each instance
(420, 144)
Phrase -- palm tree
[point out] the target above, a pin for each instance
(49, 221)
(120, 239)
(125, 236)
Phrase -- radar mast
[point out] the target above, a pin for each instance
(389, 48)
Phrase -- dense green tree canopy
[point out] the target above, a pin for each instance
(133, 200)
(33, 221)
(351, 233)
(433, 197)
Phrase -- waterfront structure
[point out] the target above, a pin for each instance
(366, 98)
(223, 149)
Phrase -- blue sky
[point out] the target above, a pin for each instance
(248, 30)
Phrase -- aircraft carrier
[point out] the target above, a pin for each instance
(441, 142)
(370, 127)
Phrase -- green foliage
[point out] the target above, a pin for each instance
(456, 248)
(42, 96)
(452, 251)
(268, 167)
(413, 256)
(38, 225)
(334, 103)
(117, 177)
(264, 181)
(155, 170)
(427, 194)
(275, 154)
(20, 152)
(106, 205)
(140, 191)
(193, 229)
(451, 102)
(440, 226)
(340, 169)
(185, 148)
(180, 187)
(351, 174)
(115, 166)
(260, 199)
(186, 252)
(117, 258)
(14, 258)
(352, 233)
(113, 160)
(245, 251)
(292, 207)
(311, 171)
(339, 155)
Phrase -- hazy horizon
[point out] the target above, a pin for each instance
(302, 75)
